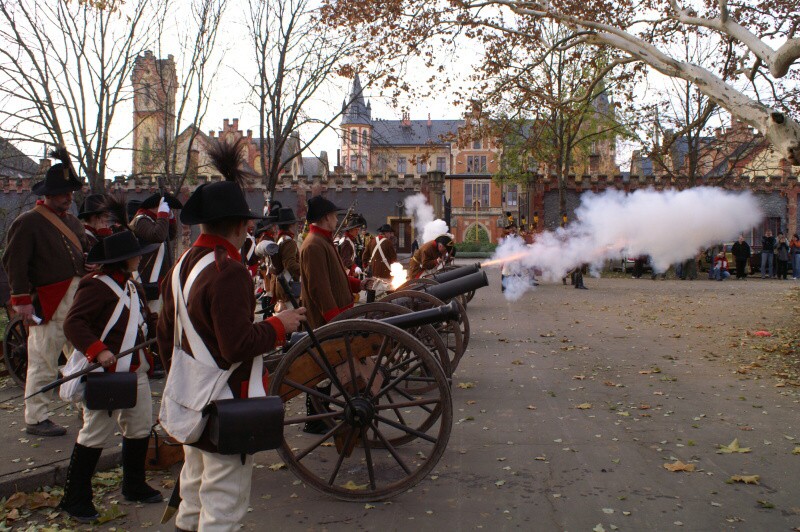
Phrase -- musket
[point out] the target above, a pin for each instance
(88, 369)
(166, 242)
(346, 216)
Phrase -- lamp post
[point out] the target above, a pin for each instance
(477, 206)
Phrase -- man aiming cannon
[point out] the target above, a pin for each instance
(431, 256)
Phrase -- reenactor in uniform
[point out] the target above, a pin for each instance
(98, 330)
(95, 217)
(287, 261)
(380, 254)
(430, 256)
(266, 232)
(44, 258)
(154, 223)
(347, 245)
(218, 328)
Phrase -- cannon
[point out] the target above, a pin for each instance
(15, 350)
(446, 274)
(383, 395)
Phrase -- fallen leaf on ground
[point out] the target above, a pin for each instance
(41, 499)
(110, 514)
(679, 466)
(17, 500)
(747, 479)
(350, 485)
(733, 447)
(584, 406)
(762, 333)
(277, 465)
(466, 385)
(796, 450)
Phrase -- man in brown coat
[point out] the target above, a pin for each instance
(380, 253)
(287, 261)
(44, 259)
(348, 244)
(326, 289)
(430, 256)
(215, 488)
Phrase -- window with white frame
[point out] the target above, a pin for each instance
(441, 164)
(422, 167)
(401, 165)
(476, 190)
(512, 196)
(476, 164)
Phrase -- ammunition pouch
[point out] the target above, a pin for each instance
(245, 426)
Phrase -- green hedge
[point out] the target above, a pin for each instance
(473, 247)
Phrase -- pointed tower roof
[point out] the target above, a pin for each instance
(356, 111)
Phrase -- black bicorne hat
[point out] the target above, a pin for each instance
(284, 216)
(354, 221)
(211, 202)
(152, 201)
(385, 228)
(319, 207)
(60, 178)
(118, 247)
(93, 205)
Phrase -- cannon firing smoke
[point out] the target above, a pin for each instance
(668, 226)
(428, 227)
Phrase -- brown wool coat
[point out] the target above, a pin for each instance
(347, 252)
(153, 229)
(288, 259)
(378, 267)
(425, 258)
(37, 254)
(87, 318)
(326, 289)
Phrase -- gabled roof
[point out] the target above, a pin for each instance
(416, 133)
(14, 163)
(316, 165)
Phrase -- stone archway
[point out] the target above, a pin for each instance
(483, 233)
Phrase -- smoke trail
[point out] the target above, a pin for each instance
(422, 212)
(669, 226)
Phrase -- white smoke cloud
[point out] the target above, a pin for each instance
(422, 213)
(670, 226)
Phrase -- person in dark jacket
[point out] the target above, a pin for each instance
(782, 256)
(741, 254)
(767, 254)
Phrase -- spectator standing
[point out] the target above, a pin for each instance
(721, 267)
(741, 254)
(782, 254)
(767, 254)
(794, 247)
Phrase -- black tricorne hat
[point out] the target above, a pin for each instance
(60, 178)
(285, 216)
(133, 206)
(263, 225)
(319, 207)
(354, 221)
(212, 202)
(385, 228)
(118, 247)
(152, 201)
(93, 205)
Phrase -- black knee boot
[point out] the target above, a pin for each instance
(134, 487)
(316, 426)
(77, 499)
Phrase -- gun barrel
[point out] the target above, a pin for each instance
(455, 273)
(462, 285)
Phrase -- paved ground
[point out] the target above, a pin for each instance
(579, 399)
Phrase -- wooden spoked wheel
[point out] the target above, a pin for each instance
(420, 383)
(455, 333)
(382, 440)
(15, 350)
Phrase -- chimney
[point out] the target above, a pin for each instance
(406, 118)
(225, 124)
(212, 133)
(236, 124)
(429, 120)
(249, 134)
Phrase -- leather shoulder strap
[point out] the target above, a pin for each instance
(51, 217)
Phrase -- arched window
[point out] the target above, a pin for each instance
(354, 137)
(364, 137)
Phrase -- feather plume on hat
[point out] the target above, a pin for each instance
(228, 160)
(117, 207)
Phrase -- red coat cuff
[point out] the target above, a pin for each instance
(332, 313)
(21, 299)
(162, 215)
(94, 350)
(280, 332)
(355, 284)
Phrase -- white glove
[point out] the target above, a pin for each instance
(163, 206)
(357, 271)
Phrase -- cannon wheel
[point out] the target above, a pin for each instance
(383, 441)
(465, 298)
(455, 333)
(426, 334)
(15, 350)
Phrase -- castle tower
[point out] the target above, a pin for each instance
(155, 84)
(356, 131)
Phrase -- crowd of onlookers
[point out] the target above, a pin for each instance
(775, 259)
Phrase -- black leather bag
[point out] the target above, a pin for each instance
(110, 391)
(246, 426)
(151, 291)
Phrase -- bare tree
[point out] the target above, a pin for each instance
(641, 31)
(64, 68)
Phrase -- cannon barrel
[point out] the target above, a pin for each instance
(404, 321)
(455, 273)
(462, 285)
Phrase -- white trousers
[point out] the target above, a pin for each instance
(45, 344)
(134, 423)
(215, 491)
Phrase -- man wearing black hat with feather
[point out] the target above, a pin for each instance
(44, 258)
(208, 297)
(95, 217)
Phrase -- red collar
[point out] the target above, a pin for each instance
(43, 204)
(147, 212)
(316, 230)
(121, 277)
(213, 242)
(287, 233)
